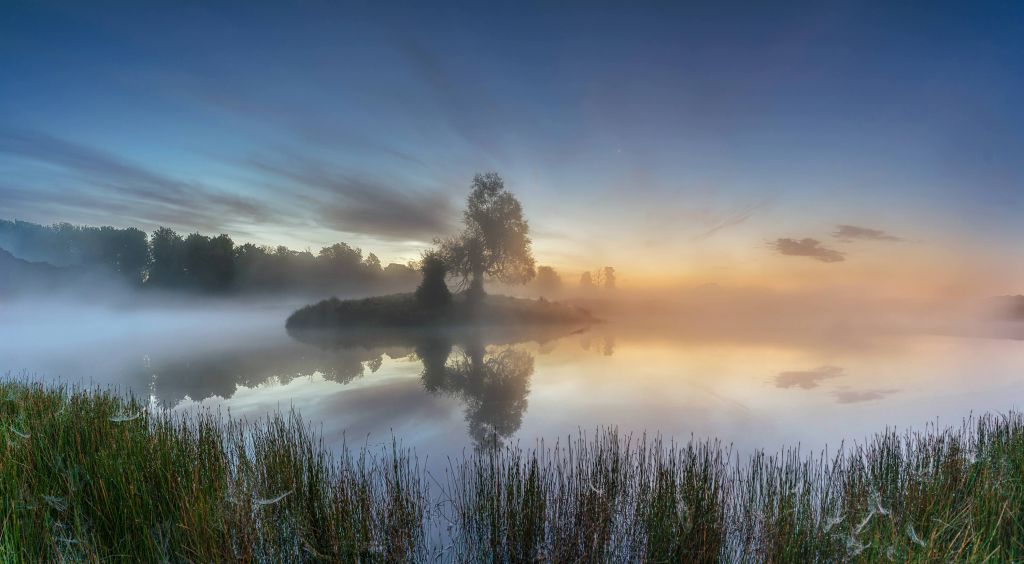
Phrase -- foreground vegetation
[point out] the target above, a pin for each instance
(92, 475)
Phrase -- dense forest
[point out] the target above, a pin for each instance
(195, 262)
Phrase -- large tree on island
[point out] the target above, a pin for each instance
(495, 240)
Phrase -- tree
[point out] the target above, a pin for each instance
(340, 264)
(209, 262)
(124, 251)
(342, 255)
(495, 240)
(432, 291)
(609, 278)
(167, 250)
(586, 281)
(132, 254)
(222, 262)
(548, 281)
(372, 264)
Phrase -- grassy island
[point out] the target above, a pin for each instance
(404, 310)
(91, 475)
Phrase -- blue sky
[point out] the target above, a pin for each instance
(637, 134)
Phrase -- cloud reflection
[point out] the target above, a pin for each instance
(807, 379)
(859, 396)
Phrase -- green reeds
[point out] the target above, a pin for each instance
(80, 481)
(91, 475)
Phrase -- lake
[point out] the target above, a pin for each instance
(446, 393)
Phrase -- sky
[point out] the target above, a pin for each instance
(864, 145)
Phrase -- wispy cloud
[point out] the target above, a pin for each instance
(729, 219)
(359, 204)
(95, 179)
(807, 247)
(855, 232)
(92, 179)
(461, 100)
(807, 379)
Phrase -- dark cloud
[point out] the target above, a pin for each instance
(103, 181)
(356, 204)
(858, 396)
(807, 379)
(854, 233)
(807, 247)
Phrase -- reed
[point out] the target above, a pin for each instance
(94, 475)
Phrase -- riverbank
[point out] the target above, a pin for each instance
(93, 475)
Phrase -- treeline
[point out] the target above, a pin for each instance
(549, 282)
(196, 262)
(124, 251)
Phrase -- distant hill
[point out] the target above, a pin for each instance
(19, 276)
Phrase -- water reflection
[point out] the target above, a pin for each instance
(843, 393)
(859, 396)
(220, 373)
(445, 391)
(486, 371)
(604, 344)
(807, 379)
(494, 388)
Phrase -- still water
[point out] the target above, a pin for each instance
(446, 393)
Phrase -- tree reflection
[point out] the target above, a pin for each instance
(220, 373)
(494, 386)
(486, 370)
(482, 367)
(434, 353)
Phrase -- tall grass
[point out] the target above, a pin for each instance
(91, 475)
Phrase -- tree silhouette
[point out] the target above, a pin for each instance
(548, 281)
(202, 263)
(372, 264)
(586, 281)
(167, 250)
(432, 291)
(495, 240)
(209, 262)
(124, 252)
(609, 278)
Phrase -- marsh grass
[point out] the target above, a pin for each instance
(78, 481)
(92, 475)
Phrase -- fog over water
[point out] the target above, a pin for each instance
(754, 379)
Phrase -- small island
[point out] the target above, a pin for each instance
(405, 311)
(494, 243)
